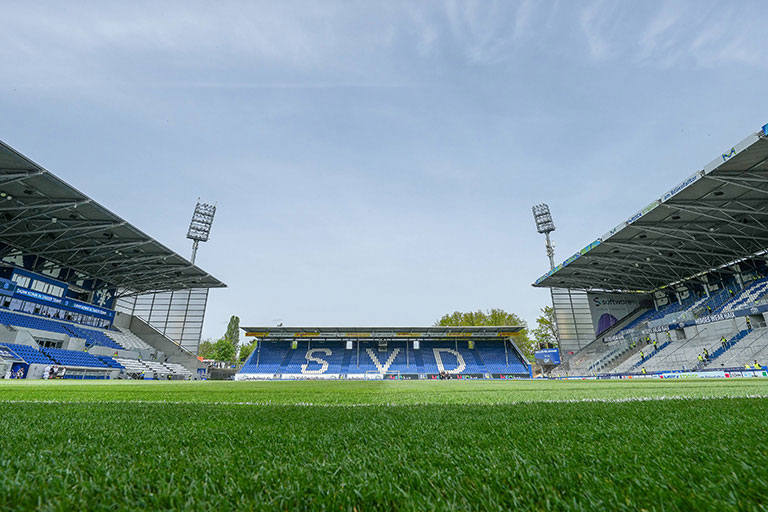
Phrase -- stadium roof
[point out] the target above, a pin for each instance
(42, 215)
(713, 219)
(484, 332)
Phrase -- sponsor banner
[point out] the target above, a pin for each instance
(257, 334)
(615, 337)
(357, 334)
(589, 247)
(730, 315)
(571, 259)
(681, 186)
(608, 308)
(547, 356)
(612, 232)
(314, 376)
(507, 334)
(642, 212)
(715, 318)
(409, 334)
(7, 287)
(306, 334)
(458, 334)
(63, 303)
(730, 153)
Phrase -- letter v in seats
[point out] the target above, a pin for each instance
(382, 368)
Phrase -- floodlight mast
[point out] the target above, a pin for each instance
(545, 224)
(200, 225)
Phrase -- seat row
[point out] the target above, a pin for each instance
(332, 357)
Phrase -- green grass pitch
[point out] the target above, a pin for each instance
(458, 445)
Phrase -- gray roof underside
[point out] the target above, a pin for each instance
(713, 219)
(46, 217)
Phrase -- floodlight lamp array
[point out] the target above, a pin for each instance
(202, 220)
(543, 218)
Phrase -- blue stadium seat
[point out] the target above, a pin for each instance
(276, 357)
(73, 358)
(30, 355)
(91, 336)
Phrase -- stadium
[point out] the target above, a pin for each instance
(358, 197)
(684, 275)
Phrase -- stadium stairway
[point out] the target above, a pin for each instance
(419, 361)
(28, 354)
(479, 361)
(346, 360)
(728, 346)
(753, 346)
(653, 353)
(111, 362)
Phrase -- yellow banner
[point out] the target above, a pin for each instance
(409, 334)
(505, 334)
(459, 334)
(357, 334)
(257, 334)
(305, 334)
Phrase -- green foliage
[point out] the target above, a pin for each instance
(246, 350)
(450, 449)
(206, 349)
(224, 351)
(233, 331)
(492, 317)
(545, 334)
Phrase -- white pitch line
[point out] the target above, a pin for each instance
(310, 404)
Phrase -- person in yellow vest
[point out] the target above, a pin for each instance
(642, 356)
(757, 365)
(723, 342)
(747, 367)
(749, 324)
(701, 359)
(654, 346)
(644, 372)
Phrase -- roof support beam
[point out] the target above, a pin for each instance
(8, 176)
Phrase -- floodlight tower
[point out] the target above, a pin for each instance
(200, 225)
(544, 224)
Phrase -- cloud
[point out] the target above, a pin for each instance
(595, 22)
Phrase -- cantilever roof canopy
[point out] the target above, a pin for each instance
(41, 215)
(320, 333)
(713, 219)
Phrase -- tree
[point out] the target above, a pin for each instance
(223, 350)
(233, 331)
(246, 351)
(493, 317)
(206, 350)
(545, 333)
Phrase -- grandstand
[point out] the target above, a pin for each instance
(384, 352)
(65, 262)
(694, 263)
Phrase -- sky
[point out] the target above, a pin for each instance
(375, 163)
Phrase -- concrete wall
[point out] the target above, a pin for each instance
(175, 353)
(108, 351)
